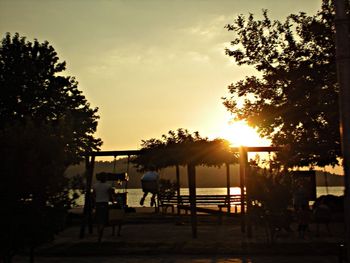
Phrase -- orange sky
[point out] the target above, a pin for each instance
(150, 66)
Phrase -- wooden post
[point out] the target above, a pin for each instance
(87, 212)
(178, 187)
(342, 25)
(191, 173)
(89, 185)
(228, 184)
(248, 183)
(242, 165)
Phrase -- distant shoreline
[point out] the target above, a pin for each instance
(207, 177)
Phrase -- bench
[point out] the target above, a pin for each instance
(202, 201)
(169, 202)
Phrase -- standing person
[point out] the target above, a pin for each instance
(303, 218)
(103, 193)
(150, 184)
(300, 198)
(302, 209)
(322, 215)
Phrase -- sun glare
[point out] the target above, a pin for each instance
(240, 134)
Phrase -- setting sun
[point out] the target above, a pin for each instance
(240, 134)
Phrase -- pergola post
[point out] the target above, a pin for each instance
(191, 173)
(248, 184)
(178, 187)
(89, 185)
(228, 185)
(243, 156)
(87, 216)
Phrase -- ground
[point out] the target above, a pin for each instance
(147, 236)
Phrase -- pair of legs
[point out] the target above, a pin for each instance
(119, 228)
(326, 223)
(100, 228)
(101, 218)
(153, 198)
(302, 229)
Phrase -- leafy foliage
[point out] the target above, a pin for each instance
(294, 99)
(33, 88)
(270, 190)
(167, 189)
(182, 148)
(35, 195)
(45, 124)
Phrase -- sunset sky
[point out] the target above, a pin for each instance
(149, 66)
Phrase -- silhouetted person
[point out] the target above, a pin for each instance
(103, 193)
(300, 197)
(322, 215)
(303, 218)
(150, 184)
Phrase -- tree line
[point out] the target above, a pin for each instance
(206, 176)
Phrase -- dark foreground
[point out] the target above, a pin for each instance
(150, 237)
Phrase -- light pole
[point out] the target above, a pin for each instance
(343, 68)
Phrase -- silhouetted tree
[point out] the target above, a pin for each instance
(33, 87)
(45, 125)
(293, 100)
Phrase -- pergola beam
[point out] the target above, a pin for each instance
(258, 148)
(114, 153)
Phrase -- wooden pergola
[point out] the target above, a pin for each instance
(191, 173)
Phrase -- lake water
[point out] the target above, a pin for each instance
(134, 195)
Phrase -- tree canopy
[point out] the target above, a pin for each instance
(45, 125)
(181, 148)
(293, 100)
(33, 88)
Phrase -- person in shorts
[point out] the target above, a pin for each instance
(103, 193)
(150, 184)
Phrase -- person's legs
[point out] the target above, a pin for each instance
(102, 218)
(153, 199)
(100, 232)
(143, 198)
(119, 228)
(302, 231)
